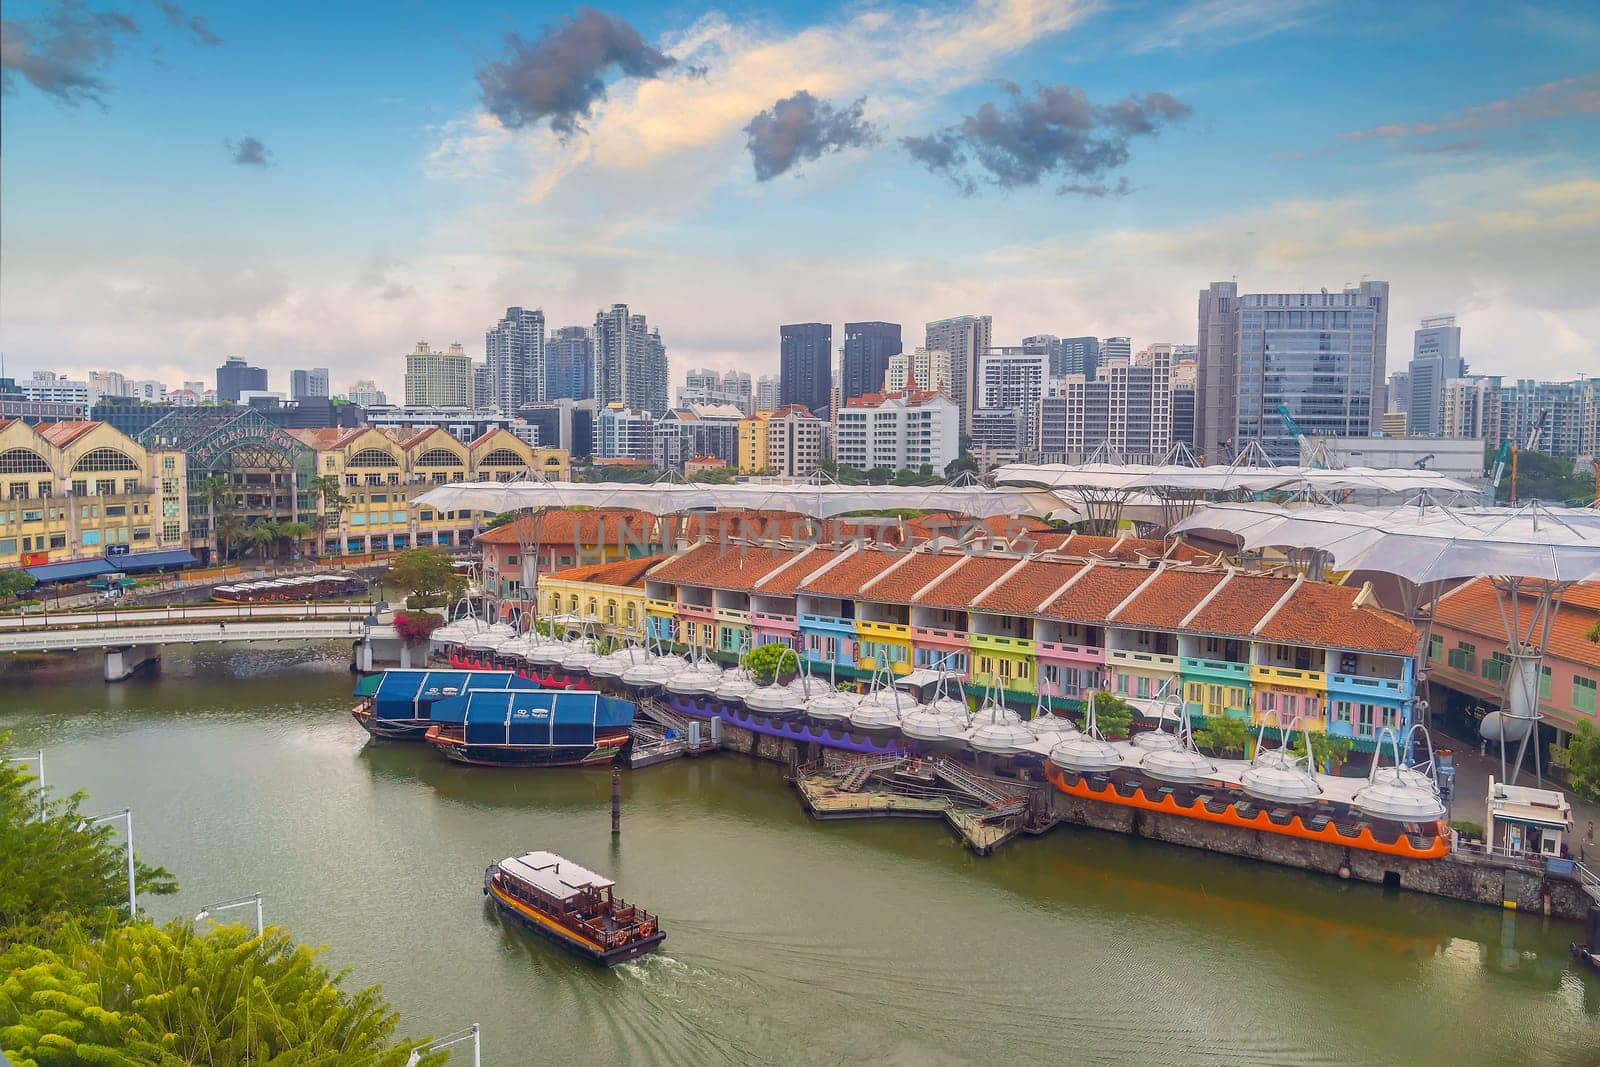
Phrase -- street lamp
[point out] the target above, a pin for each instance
(255, 899)
(39, 759)
(445, 1042)
(125, 813)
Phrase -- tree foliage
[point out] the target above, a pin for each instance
(1224, 736)
(764, 661)
(497, 521)
(1583, 761)
(1326, 749)
(1113, 715)
(425, 573)
(15, 583)
(49, 868)
(1544, 477)
(165, 995)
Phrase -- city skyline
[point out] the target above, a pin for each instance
(1467, 184)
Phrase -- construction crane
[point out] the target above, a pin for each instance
(1501, 459)
(1314, 451)
(1533, 442)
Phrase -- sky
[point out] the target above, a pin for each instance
(326, 184)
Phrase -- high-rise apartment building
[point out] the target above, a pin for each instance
(793, 442)
(966, 338)
(903, 431)
(865, 359)
(438, 379)
(1399, 398)
(235, 376)
(1471, 408)
(623, 433)
(1113, 349)
(1435, 359)
(1126, 409)
(308, 383)
(805, 365)
(569, 364)
(367, 394)
(1012, 379)
(767, 393)
(927, 370)
(1549, 413)
(630, 361)
(513, 350)
(702, 382)
(1320, 356)
(482, 386)
(1076, 355)
(736, 390)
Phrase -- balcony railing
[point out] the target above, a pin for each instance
(1068, 649)
(1226, 667)
(939, 633)
(1004, 642)
(773, 618)
(1368, 682)
(1132, 658)
(1290, 675)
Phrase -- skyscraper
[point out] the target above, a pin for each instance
(630, 361)
(1077, 355)
(308, 383)
(1012, 379)
(438, 379)
(805, 365)
(236, 376)
(514, 351)
(1319, 355)
(1215, 395)
(865, 361)
(1435, 359)
(1125, 409)
(1116, 348)
(569, 364)
(482, 386)
(736, 388)
(767, 391)
(966, 338)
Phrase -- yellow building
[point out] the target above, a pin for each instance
(78, 490)
(753, 443)
(607, 598)
(380, 471)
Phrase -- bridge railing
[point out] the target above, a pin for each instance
(62, 639)
(133, 616)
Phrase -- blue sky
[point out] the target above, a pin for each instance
(1448, 149)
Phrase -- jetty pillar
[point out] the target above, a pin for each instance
(616, 801)
(122, 662)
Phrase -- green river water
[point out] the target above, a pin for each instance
(789, 941)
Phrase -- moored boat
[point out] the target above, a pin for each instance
(399, 704)
(541, 728)
(572, 906)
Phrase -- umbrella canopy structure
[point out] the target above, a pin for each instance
(1530, 554)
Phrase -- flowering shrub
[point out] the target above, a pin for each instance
(416, 626)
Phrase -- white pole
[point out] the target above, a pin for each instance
(133, 901)
(41, 785)
(261, 926)
(476, 1061)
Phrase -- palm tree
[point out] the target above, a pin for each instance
(332, 501)
(295, 532)
(218, 491)
(228, 527)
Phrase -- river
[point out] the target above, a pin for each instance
(788, 941)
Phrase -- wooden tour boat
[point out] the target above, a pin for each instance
(572, 906)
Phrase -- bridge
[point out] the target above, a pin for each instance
(133, 637)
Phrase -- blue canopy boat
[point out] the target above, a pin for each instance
(546, 728)
(398, 703)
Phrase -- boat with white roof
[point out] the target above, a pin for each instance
(573, 906)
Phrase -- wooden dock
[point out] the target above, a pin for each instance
(661, 734)
(986, 812)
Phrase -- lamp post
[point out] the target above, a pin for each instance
(127, 814)
(205, 912)
(470, 1033)
(39, 759)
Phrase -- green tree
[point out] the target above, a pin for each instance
(764, 661)
(962, 464)
(1224, 736)
(1113, 715)
(425, 574)
(1583, 761)
(165, 995)
(218, 493)
(1543, 477)
(331, 503)
(715, 476)
(49, 868)
(296, 532)
(500, 520)
(1326, 750)
(15, 583)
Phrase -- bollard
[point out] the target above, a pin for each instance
(616, 801)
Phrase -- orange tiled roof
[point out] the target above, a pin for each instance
(720, 566)
(1328, 615)
(330, 437)
(1021, 593)
(786, 580)
(846, 578)
(62, 434)
(749, 525)
(623, 572)
(1171, 595)
(945, 524)
(1473, 608)
(901, 584)
(1240, 607)
(1094, 595)
(959, 586)
(573, 528)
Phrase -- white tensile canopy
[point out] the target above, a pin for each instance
(816, 501)
(1530, 554)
